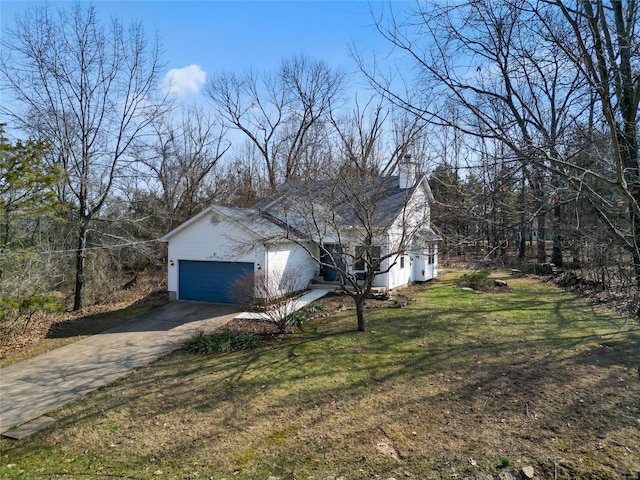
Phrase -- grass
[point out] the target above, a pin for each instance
(448, 386)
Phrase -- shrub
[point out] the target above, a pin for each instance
(16, 314)
(314, 307)
(273, 295)
(478, 280)
(206, 344)
(288, 320)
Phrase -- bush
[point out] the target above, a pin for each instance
(314, 307)
(273, 295)
(16, 314)
(478, 280)
(287, 321)
(206, 344)
(296, 320)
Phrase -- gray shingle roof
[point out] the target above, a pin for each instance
(253, 220)
(298, 208)
(379, 199)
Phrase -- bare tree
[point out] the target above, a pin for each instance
(349, 218)
(281, 113)
(530, 74)
(86, 89)
(509, 83)
(240, 181)
(605, 51)
(272, 296)
(180, 159)
(361, 224)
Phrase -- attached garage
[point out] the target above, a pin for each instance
(210, 252)
(212, 281)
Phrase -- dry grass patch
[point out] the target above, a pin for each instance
(446, 387)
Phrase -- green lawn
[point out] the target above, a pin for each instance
(446, 387)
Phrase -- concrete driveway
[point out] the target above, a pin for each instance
(34, 387)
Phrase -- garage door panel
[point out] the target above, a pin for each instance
(210, 281)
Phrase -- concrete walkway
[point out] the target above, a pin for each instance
(293, 306)
(34, 387)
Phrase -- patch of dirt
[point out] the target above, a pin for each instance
(262, 328)
(385, 447)
(397, 298)
(331, 303)
(491, 289)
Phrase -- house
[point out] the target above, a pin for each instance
(307, 231)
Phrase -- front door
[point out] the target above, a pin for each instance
(333, 263)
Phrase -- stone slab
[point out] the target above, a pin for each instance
(29, 428)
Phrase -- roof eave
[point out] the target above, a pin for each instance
(185, 224)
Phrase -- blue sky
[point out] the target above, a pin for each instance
(202, 38)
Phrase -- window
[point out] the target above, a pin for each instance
(431, 252)
(359, 264)
(401, 260)
(375, 257)
(364, 257)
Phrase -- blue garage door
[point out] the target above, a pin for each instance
(212, 281)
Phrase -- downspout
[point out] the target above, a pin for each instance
(265, 274)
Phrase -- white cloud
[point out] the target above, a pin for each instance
(183, 81)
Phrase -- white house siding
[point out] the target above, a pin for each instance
(425, 263)
(206, 241)
(290, 262)
(417, 266)
(382, 279)
(397, 276)
(416, 213)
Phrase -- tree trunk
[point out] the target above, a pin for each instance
(362, 325)
(556, 252)
(636, 262)
(80, 257)
(522, 244)
(542, 233)
(4, 226)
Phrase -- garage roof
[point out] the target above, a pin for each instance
(260, 226)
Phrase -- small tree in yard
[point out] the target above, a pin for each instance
(273, 294)
(361, 223)
(361, 226)
(26, 183)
